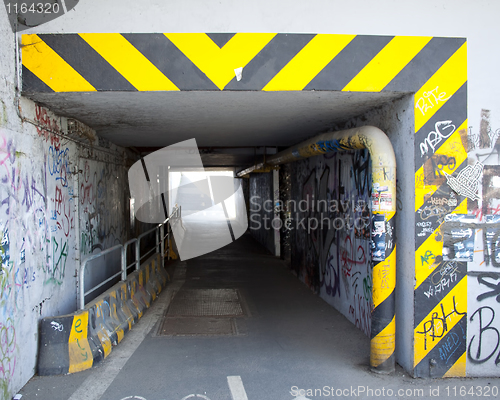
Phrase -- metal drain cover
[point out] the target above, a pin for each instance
(206, 303)
(196, 326)
(202, 312)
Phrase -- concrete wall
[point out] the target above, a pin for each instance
(61, 200)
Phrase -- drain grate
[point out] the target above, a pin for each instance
(206, 303)
(196, 326)
(202, 312)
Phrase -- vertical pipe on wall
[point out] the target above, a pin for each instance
(383, 325)
(276, 216)
(76, 200)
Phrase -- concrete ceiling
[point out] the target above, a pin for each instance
(214, 119)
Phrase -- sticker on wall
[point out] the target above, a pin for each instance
(458, 238)
(378, 237)
(492, 241)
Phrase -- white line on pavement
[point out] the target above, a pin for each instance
(236, 387)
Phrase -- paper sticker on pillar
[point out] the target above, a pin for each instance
(213, 211)
(458, 238)
(381, 198)
(25, 14)
(378, 237)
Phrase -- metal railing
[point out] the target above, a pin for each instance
(159, 247)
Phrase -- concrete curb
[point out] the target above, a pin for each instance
(77, 341)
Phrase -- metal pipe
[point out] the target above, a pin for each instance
(383, 326)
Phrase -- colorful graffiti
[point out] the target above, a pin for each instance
(331, 231)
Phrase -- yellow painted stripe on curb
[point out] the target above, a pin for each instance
(383, 345)
(440, 87)
(219, 64)
(80, 354)
(440, 320)
(384, 279)
(128, 61)
(458, 370)
(453, 147)
(50, 68)
(389, 62)
(308, 62)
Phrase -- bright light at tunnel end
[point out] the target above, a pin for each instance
(173, 182)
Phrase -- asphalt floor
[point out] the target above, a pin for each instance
(287, 344)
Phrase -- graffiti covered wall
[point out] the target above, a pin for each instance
(42, 205)
(330, 225)
(471, 243)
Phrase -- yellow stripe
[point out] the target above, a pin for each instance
(50, 68)
(440, 87)
(458, 369)
(384, 279)
(383, 345)
(387, 64)
(80, 354)
(128, 61)
(423, 347)
(453, 147)
(219, 64)
(309, 62)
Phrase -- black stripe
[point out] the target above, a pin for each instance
(221, 39)
(388, 365)
(270, 60)
(349, 62)
(429, 216)
(32, 84)
(425, 64)
(437, 285)
(454, 110)
(54, 355)
(172, 62)
(87, 62)
(383, 314)
(445, 354)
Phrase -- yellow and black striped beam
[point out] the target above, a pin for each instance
(434, 69)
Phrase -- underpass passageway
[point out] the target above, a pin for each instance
(235, 312)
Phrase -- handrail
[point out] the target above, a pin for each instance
(159, 247)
